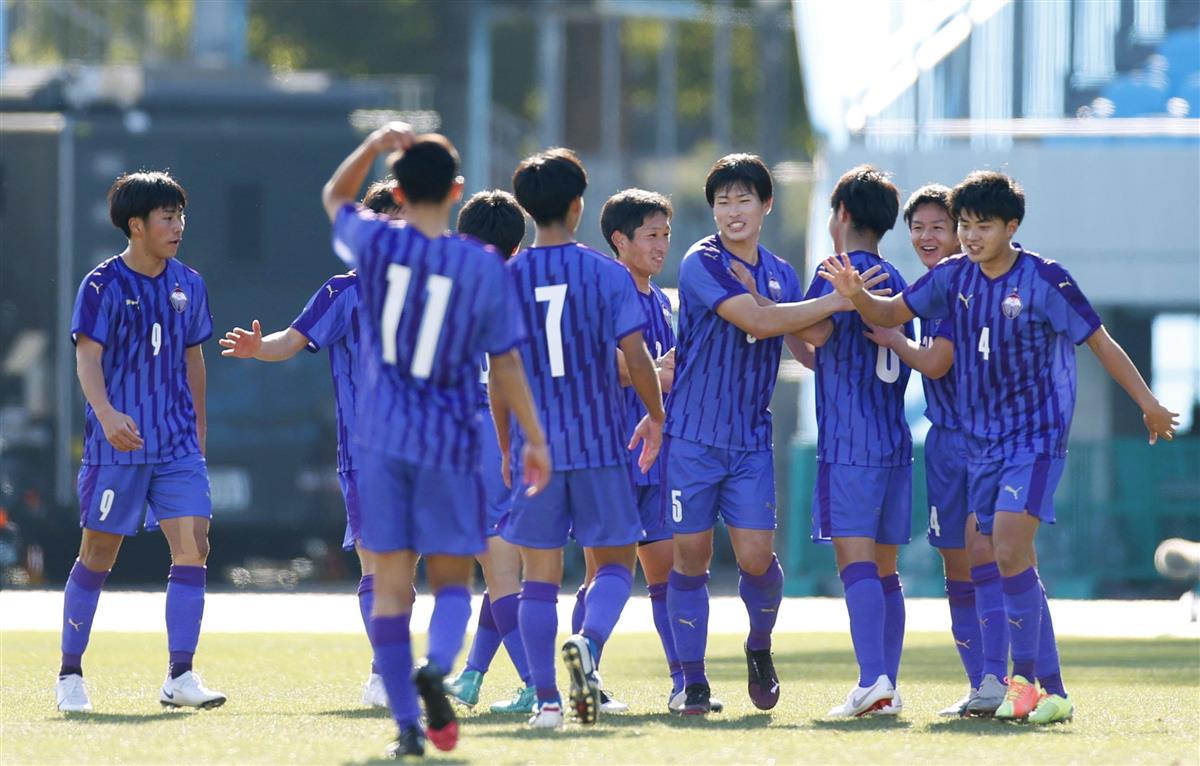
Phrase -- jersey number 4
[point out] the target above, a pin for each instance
(556, 296)
(437, 290)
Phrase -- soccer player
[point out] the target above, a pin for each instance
(718, 457)
(138, 324)
(862, 501)
(330, 320)
(494, 218)
(430, 304)
(580, 306)
(976, 613)
(1016, 318)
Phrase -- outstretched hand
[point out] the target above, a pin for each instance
(871, 277)
(242, 343)
(743, 275)
(839, 272)
(1160, 422)
(886, 337)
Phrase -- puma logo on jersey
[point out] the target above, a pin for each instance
(690, 623)
(331, 290)
(966, 300)
(1016, 493)
(93, 284)
(964, 644)
(135, 302)
(1065, 283)
(73, 624)
(1016, 623)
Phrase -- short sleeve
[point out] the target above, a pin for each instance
(1067, 309)
(791, 285)
(92, 315)
(355, 233)
(927, 296)
(326, 317)
(817, 287)
(625, 308)
(940, 328)
(704, 276)
(200, 325)
(503, 328)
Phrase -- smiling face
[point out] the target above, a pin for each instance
(985, 239)
(160, 232)
(933, 234)
(645, 253)
(739, 213)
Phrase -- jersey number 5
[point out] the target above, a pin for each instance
(437, 288)
(556, 296)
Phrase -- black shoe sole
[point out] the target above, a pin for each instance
(584, 700)
(433, 693)
(210, 705)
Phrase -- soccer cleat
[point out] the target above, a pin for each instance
(958, 709)
(410, 742)
(865, 699)
(585, 685)
(697, 700)
(549, 715)
(1051, 708)
(895, 707)
(677, 700)
(189, 691)
(763, 682)
(442, 726)
(610, 705)
(987, 697)
(523, 701)
(373, 692)
(1019, 702)
(71, 695)
(464, 688)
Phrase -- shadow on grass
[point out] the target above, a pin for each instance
(430, 749)
(359, 712)
(989, 727)
(870, 723)
(615, 725)
(118, 718)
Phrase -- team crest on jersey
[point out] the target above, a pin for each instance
(666, 314)
(1011, 306)
(179, 299)
(775, 289)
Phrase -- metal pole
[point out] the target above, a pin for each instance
(610, 88)
(479, 99)
(667, 135)
(64, 350)
(721, 104)
(551, 65)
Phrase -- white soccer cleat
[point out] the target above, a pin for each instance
(373, 692)
(608, 704)
(862, 700)
(895, 707)
(189, 691)
(71, 695)
(958, 709)
(549, 715)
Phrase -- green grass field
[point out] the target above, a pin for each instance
(294, 699)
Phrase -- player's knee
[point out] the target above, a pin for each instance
(98, 552)
(1011, 558)
(202, 547)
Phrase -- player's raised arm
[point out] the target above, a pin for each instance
(800, 344)
(280, 346)
(119, 429)
(1158, 419)
(343, 187)
(509, 392)
(644, 379)
(933, 362)
(878, 310)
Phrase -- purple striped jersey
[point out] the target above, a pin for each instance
(428, 308)
(941, 409)
(724, 377)
(578, 303)
(660, 338)
(330, 320)
(145, 324)
(1014, 350)
(860, 386)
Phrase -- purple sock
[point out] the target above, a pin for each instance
(1049, 674)
(865, 604)
(504, 612)
(185, 610)
(366, 601)
(580, 611)
(79, 608)
(964, 626)
(687, 606)
(448, 625)
(487, 638)
(893, 624)
(538, 619)
(993, 628)
(393, 652)
(762, 594)
(1023, 607)
(662, 623)
(605, 600)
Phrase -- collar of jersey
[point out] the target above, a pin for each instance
(1011, 269)
(121, 264)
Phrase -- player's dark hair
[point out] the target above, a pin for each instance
(548, 182)
(929, 194)
(427, 170)
(493, 217)
(135, 195)
(380, 199)
(627, 210)
(988, 194)
(739, 170)
(870, 197)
